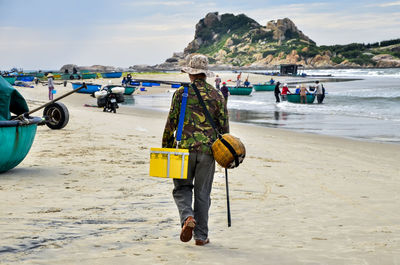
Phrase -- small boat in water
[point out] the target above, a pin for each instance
(112, 75)
(264, 87)
(295, 98)
(244, 91)
(91, 88)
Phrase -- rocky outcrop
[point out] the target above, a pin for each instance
(386, 60)
(284, 29)
(93, 68)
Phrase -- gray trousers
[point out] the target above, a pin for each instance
(201, 170)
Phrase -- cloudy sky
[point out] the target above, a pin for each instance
(44, 34)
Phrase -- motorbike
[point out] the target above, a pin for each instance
(109, 97)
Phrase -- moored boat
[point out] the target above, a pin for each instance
(112, 75)
(70, 76)
(129, 90)
(91, 88)
(295, 98)
(264, 87)
(10, 79)
(89, 75)
(25, 78)
(240, 90)
(16, 138)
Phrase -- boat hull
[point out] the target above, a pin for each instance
(264, 87)
(91, 88)
(10, 79)
(112, 75)
(16, 142)
(295, 98)
(129, 90)
(89, 75)
(243, 91)
(25, 78)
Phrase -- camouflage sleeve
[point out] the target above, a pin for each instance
(223, 117)
(172, 122)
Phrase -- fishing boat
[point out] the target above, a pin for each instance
(25, 78)
(91, 88)
(89, 75)
(16, 138)
(129, 90)
(295, 98)
(70, 76)
(112, 75)
(10, 79)
(245, 91)
(264, 87)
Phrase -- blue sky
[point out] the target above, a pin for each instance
(44, 34)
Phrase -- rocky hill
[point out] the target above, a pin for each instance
(232, 41)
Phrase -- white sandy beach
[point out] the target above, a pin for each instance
(83, 196)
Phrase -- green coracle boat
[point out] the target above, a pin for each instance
(295, 98)
(264, 87)
(16, 139)
(129, 90)
(10, 79)
(244, 91)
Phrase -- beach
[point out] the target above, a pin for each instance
(83, 195)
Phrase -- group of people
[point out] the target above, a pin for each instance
(302, 90)
(224, 89)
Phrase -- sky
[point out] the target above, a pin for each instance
(44, 34)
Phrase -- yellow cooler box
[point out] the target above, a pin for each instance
(169, 163)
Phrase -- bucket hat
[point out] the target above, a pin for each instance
(198, 64)
(50, 75)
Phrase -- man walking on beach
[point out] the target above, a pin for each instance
(198, 136)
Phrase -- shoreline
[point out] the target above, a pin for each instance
(83, 195)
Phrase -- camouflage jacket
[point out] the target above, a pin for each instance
(197, 134)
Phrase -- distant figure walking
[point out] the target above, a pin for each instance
(320, 92)
(277, 92)
(217, 81)
(50, 83)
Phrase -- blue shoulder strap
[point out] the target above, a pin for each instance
(182, 114)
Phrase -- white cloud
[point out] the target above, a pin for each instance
(389, 4)
(159, 3)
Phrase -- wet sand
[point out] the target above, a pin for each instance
(83, 196)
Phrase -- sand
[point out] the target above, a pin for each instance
(83, 196)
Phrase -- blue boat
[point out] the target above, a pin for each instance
(91, 88)
(112, 75)
(25, 78)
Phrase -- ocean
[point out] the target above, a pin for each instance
(366, 108)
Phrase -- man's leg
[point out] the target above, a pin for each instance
(182, 192)
(203, 179)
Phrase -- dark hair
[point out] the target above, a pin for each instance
(317, 81)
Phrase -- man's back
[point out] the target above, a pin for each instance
(198, 134)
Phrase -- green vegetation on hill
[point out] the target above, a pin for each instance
(240, 41)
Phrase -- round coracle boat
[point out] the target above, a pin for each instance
(16, 138)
